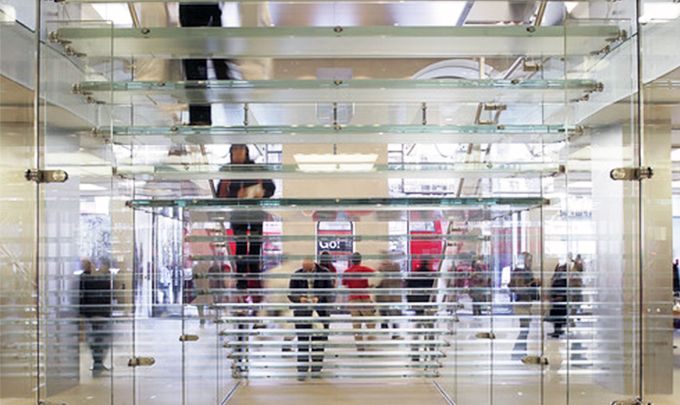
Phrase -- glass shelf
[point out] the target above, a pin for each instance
(340, 170)
(350, 134)
(338, 42)
(344, 91)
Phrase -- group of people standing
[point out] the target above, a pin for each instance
(316, 283)
(565, 296)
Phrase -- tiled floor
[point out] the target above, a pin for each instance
(474, 373)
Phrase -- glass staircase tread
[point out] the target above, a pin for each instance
(220, 214)
(254, 1)
(179, 172)
(383, 354)
(211, 210)
(516, 91)
(368, 210)
(337, 42)
(348, 134)
(266, 320)
(328, 236)
(336, 291)
(244, 367)
(239, 307)
(405, 204)
(268, 374)
(379, 275)
(333, 332)
(366, 344)
(299, 257)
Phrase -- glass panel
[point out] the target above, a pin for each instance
(85, 347)
(19, 332)
(659, 73)
(159, 310)
(23, 12)
(594, 267)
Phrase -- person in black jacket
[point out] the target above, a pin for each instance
(422, 279)
(676, 278)
(525, 290)
(248, 246)
(203, 15)
(95, 307)
(559, 300)
(312, 290)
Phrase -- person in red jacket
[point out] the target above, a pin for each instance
(355, 300)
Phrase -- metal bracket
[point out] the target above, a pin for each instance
(335, 111)
(532, 66)
(631, 173)
(53, 36)
(486, 335)
(46, 176)
(496, 110)
(632, 401)
(188, 338)
(543, 361)
(495, 107)
(141, 361)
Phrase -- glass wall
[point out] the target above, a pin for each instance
(467, 150)
(19, 351)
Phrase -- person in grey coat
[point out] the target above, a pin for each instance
(389, 268)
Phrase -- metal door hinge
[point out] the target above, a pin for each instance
(141, 361)
(46, 176)
(543, 361)
(188, 338)
(631, 173)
